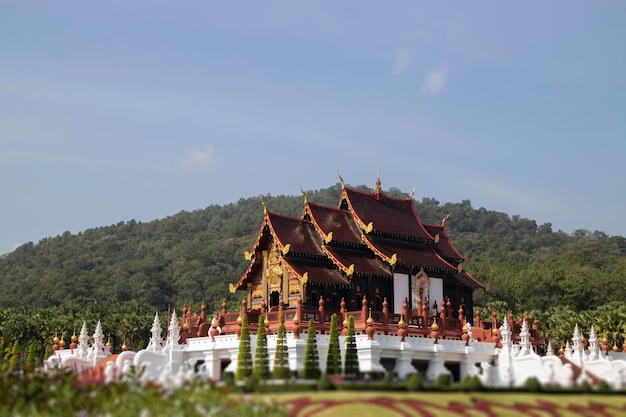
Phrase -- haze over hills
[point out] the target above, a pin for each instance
(192, 256)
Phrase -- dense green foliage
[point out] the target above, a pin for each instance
(261, 358)
(311, 356)
(333, 359)
(36, 394)
(244, 358)
(281, 356)
(193, 255)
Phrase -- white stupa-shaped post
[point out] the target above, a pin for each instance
(594, 352)
(98, 336)
(576, 348)
(82, 351)
(549, 350)
(173, 335)
(524, 336)
(98, 345)
(505, 332)
(568, 350)
(156, 340)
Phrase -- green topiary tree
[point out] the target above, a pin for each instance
(311, 357)
(351, 361)
(261, 359)
(333, 360)
(281, 358)
(244, 359)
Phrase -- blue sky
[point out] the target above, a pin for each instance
(113, 111)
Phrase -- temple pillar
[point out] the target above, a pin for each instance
(403, 361)
(296, 349)
(368, 352)
(436, 364)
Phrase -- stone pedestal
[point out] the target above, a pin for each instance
(403, 361)
(436, 365)
(369, 356)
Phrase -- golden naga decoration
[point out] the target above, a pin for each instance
(370, 227)
(304, 279)
(304, 195)
(263, 203)
(443, 221)
(328, 238)
(343, 185)
(248, 255)
(350, 270)
(232, 288)
(393, 260)
(286, 248)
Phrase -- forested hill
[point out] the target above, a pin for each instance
(192, 256)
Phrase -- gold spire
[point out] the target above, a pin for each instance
(303, 195)
(263, 203)
(443, 221)
(343, 184)
(377, 189)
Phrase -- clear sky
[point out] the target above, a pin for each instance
(119, 110)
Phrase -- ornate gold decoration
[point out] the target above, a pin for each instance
(305, 278)
(248, 255)
(232, 288)
(393, 260)
(343, 185)
(286, 249)
(275, 265)
(329, 237)
(263, 203)
(350, 271)
(443, 221)
(369, 227)
(412, 193)
(304, 195)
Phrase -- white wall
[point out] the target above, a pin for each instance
(400, 291)
(436, 292)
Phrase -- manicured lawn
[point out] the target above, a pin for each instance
(429, 404)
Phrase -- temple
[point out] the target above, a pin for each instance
(370, 259)
(370, 247)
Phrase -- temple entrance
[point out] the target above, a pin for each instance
(274, 299)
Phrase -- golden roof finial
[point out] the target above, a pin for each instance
(343, 184)
(412, 194)
(377, 189)
(443, 221)
(303, 194)
(263, 203)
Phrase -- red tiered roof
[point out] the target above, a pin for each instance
(330, 244)
(444, 246)
(336, 221)
(388, 215)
